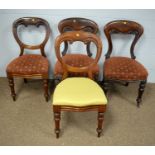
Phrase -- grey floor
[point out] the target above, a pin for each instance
(29, 120)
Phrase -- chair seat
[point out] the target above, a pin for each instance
(78, 92)
(76, 60)
(31, 64)
(123, 68)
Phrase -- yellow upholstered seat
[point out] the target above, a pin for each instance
(78, 92)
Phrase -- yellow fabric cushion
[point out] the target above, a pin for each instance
(78, 92)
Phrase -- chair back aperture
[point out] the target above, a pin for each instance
(35, 21)
(125, 27)
(84, 37)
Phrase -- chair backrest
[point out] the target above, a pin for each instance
(84, 37)
(26, 21)
(77, 24)
(125, 27)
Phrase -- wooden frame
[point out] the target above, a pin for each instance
(124, 27)
(57, 116)
(26, 21)
(85, 37)
(77, 24)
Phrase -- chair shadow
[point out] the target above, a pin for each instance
(71, 121)
(129, 96)
(117, 91)
(21, 86)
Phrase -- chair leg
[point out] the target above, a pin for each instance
(100, 122)
(57, 80)
(57, 123)
(11, 84)
(45, 82)
(140, 92)
(25, 80)
(105, 87)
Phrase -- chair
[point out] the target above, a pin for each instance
(76, 24)
(29, 65)
(123, 69)
(78, 94)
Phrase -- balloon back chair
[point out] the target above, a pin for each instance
(29, 65)
(76, 24)
(78, 94)
(123, 69)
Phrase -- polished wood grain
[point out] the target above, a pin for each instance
(26, 21)
(77, 24)
(84, 37)
(11, 84)
(124, 27)
(35, 21)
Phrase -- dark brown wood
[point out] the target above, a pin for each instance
(26, 21)
(100, 123)
(65, 48)
(105, 85)
(45, 81)
(88, 50)
(140, 92)
(57, 116)
(57, 113)
(84, 37)
(11, 84)
(124, 27)
(81, 109)
(77, 24)
(57, 123)
(25, 80)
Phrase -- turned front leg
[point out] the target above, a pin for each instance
(11, 84)
(57, 123)
(140, 92)
(100, 123)
(45, 82)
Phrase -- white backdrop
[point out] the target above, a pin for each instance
(144, 50)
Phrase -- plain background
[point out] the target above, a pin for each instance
(144, 52)
(68, 4)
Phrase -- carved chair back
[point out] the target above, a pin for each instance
(26, 21)
(125, 27)
(77, 24)
(84, 37)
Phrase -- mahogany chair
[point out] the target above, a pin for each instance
(123, 69)
(78, 94)
(29, 65)
(76, 24)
